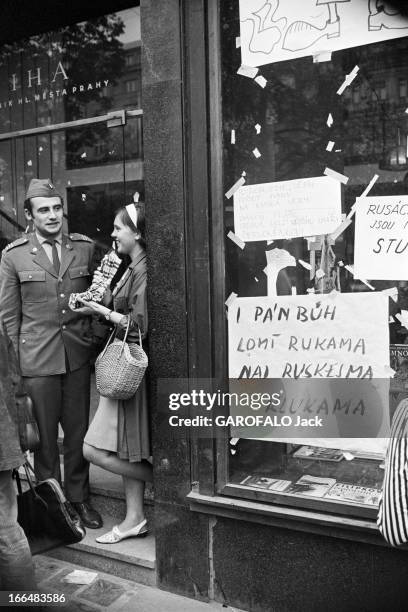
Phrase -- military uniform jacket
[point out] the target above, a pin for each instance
(34, 304)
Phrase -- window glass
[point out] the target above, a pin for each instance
(80, 72)
(76, 72)
(278, 131)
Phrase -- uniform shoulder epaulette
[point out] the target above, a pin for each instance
(16, 243)
(82, 237)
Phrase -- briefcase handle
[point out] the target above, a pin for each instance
(27, 467)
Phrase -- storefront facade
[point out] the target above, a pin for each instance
(224, 530)
(247, 547)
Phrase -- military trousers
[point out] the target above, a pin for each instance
(64, 399)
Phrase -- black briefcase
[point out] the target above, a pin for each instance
(27, 424)
(48, 519)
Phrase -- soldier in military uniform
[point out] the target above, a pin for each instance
(38, 272)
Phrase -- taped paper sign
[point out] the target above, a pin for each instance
(309, 336)
(381, 238)
(287, 209)
(278, 30)
(315, 337)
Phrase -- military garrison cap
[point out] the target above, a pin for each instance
(42, 188)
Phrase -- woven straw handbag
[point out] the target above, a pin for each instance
(120, 368)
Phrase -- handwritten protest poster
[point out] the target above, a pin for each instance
(381, 238)
(322, 339)
(287, 209)
(277, 30)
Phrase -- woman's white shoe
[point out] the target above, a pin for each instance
(114, 536)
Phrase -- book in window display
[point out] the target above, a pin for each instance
(350, 493)
(399, 363)
(311, 486)
(318, 453)
(261, 482)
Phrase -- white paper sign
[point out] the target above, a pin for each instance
(277, 30)
(309, 336)
(316, 337)
(287, 209)
(381, 238)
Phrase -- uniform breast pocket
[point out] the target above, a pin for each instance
(33, 286)
(80, 278)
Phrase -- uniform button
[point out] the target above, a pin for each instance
(30, 276)
(62, 294)
(60, 280)
(81, 273)
(23, 342)
(64, 311)
(64, 327)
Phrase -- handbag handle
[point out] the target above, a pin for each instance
(114, 331)
(27, 467)
(126, 335)
(108, 342)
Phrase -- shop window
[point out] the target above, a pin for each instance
(81, 71)
(282, 133)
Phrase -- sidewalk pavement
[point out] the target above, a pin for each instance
(109, 593)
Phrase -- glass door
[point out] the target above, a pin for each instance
(96, 168)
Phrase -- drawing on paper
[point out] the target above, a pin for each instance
(266, 32)
(302, 34)
(382, 16)
(277, 30)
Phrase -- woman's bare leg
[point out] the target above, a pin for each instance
(134, 492)
(110, 461)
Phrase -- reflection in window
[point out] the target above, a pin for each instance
(132, 86)
(382, 87)
(83, 70)
(76, 72)
(132, 59)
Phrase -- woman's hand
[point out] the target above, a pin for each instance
(93, 307)
(84, 310)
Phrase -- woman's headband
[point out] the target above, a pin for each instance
(132, 212)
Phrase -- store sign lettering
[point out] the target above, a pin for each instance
(52, 94)
(34, 76)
